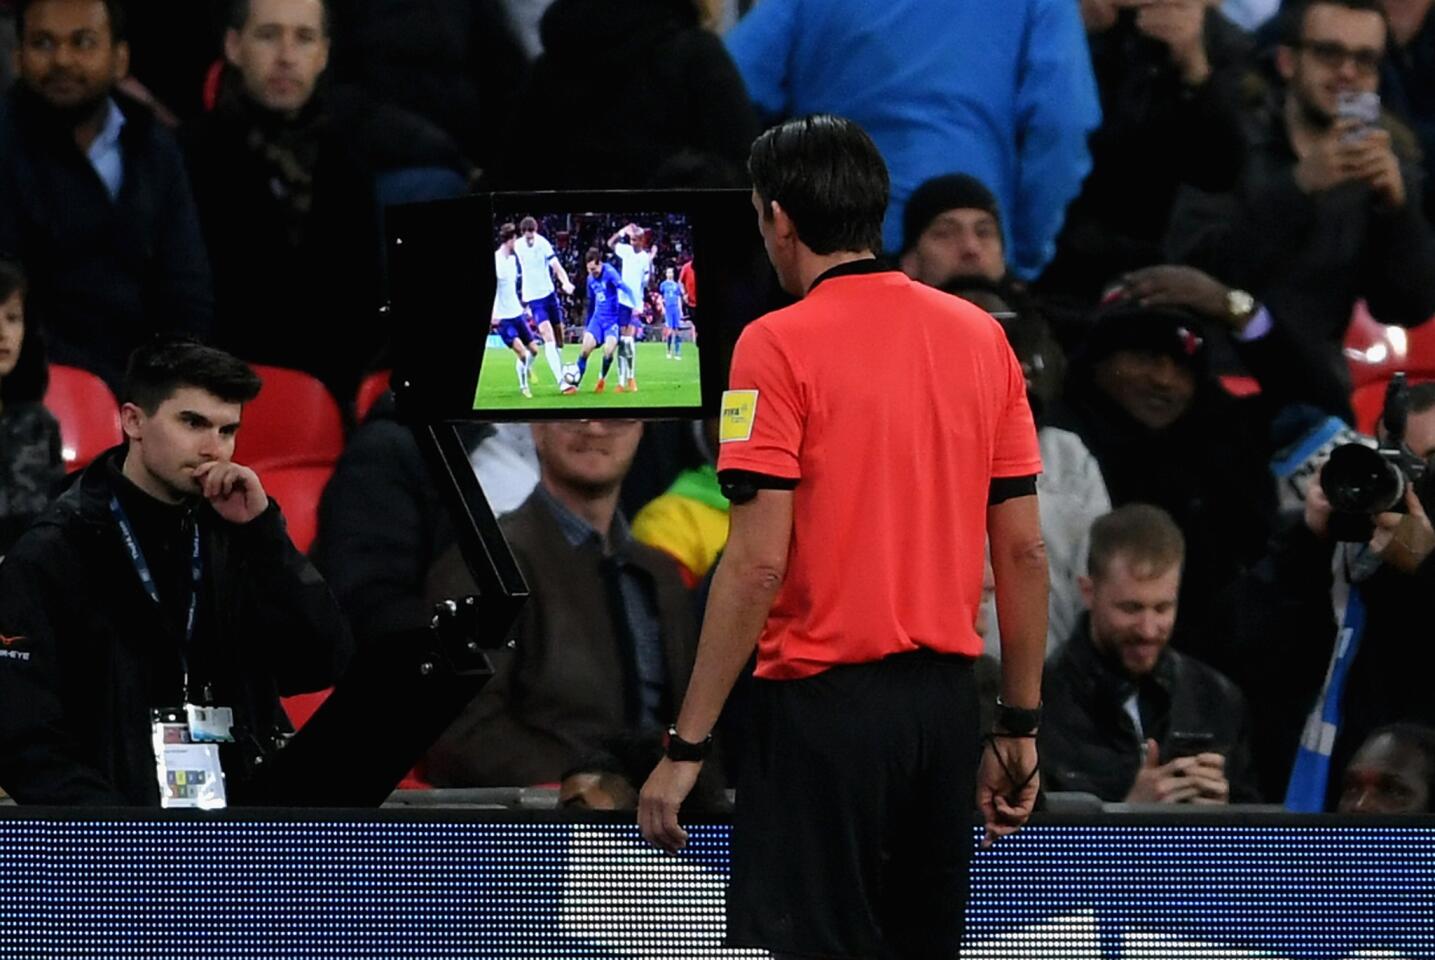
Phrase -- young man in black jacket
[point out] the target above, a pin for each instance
(94, 200)
(163, 578)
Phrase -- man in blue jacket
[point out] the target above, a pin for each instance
(1001, 91)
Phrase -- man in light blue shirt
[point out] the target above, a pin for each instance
(1000, 90)
(105, 154)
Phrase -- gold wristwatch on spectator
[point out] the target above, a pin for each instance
(1240, 307)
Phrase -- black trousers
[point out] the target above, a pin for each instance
(853, 829)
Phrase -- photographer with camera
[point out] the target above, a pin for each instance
(1333, 613)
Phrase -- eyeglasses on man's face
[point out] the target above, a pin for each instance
(1334, 55)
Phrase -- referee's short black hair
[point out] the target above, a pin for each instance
(115, 9)
(828, 176)
(160, 368)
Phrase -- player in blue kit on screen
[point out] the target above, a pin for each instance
(510, 319)
(672, 293)
(605, 317)
(538, 267)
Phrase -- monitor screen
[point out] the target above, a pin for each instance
(571, 305)
(592, 308)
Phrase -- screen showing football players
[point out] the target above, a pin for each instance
(586, 307)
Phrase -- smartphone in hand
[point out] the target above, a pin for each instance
(1361, 106)
(1185, 743)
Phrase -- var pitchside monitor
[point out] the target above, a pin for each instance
(547, 306)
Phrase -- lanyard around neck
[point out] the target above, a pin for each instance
(196, 570)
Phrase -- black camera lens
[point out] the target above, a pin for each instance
(1357, 479)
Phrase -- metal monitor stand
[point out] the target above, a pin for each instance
(401, 693)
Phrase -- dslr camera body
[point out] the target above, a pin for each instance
(1361, 481)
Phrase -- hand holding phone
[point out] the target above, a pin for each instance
(1358, 111)
(1184, 743)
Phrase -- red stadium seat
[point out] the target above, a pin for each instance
(298, 487)
(370, 390)
(209, 95)
(294, 421)
(88, 413)
(1374, 351)
(1238, 386)
(1366, 400)
(302, 706)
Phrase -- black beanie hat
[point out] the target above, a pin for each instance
(1124, 324)
(951, 191)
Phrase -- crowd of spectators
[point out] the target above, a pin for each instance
(1175, 209)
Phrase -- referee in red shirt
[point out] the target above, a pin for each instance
(875, 436)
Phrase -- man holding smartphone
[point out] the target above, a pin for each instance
(1328, 210)
(1130, 719)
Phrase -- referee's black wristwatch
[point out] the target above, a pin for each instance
(682, 751)
(1016, 721)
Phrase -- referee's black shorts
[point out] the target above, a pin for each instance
(853, 827)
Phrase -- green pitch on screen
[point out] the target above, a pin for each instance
(661, 382)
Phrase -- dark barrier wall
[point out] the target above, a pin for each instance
(443, 884)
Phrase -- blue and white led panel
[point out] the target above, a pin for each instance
(440, 885)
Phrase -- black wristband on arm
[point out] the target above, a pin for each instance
(740, 486)
(1003, 489)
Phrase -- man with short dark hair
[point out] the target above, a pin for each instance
(1129, 718)
(1420, 423)
(287, 203)
(867, 692)
(1328, 209)
(94, 198)
(161, 581)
